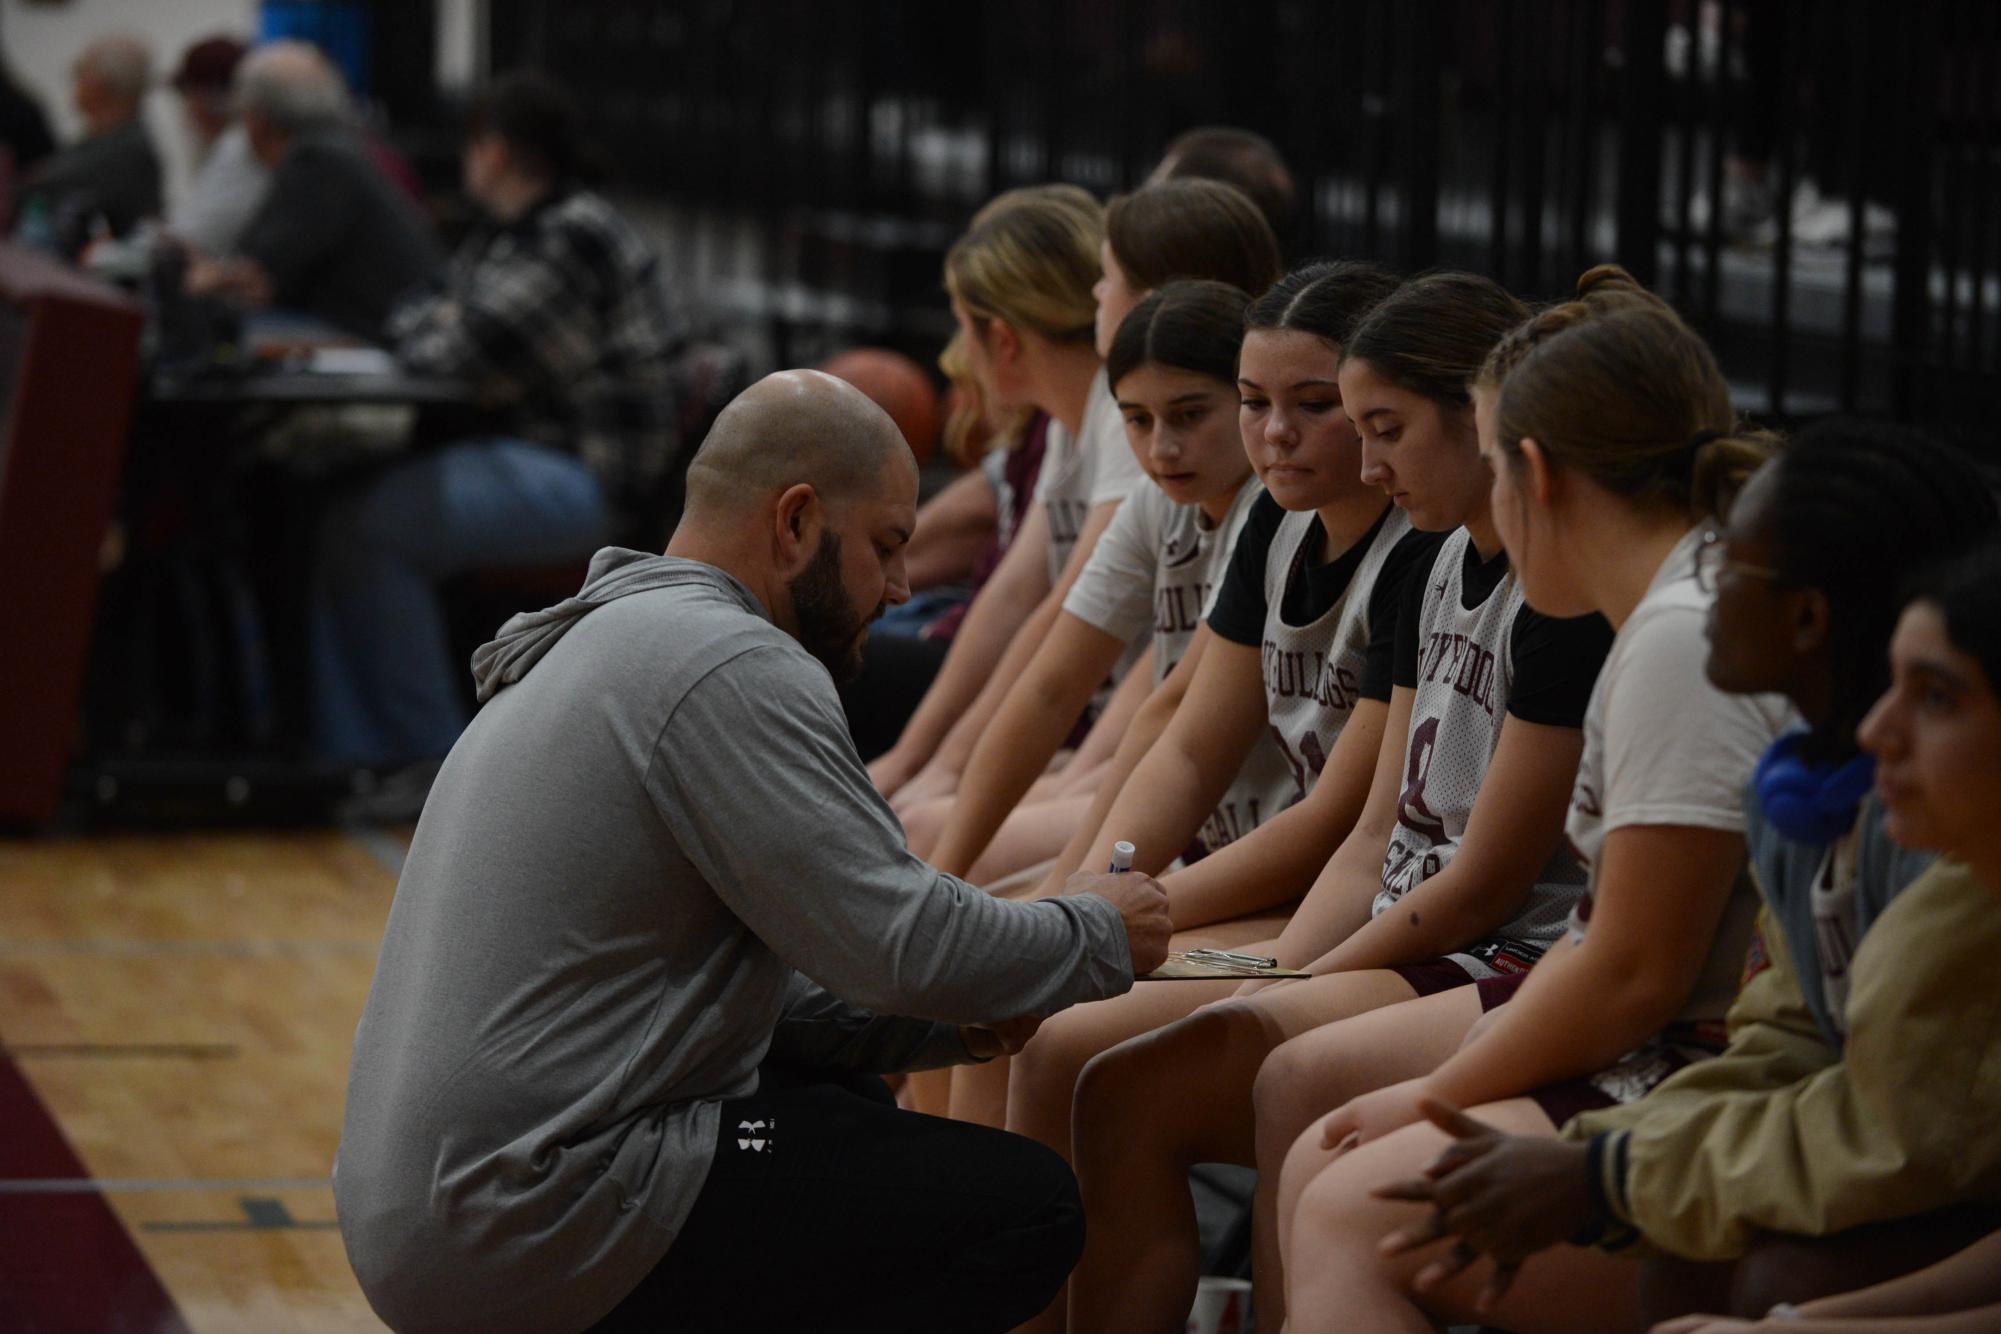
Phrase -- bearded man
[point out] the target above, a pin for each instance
(657, 930)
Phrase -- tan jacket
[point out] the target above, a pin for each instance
(1783, 1133)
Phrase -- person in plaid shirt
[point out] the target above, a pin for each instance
(557, 314)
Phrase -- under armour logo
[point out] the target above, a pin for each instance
(754, 1136)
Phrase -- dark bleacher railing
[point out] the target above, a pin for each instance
(1812, 181)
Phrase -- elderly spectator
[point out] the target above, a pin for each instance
(230, 181)
(557, 312)
(333, 237)
(113, 172)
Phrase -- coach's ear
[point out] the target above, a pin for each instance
(798, 520)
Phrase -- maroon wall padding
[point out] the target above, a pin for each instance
(62, 446)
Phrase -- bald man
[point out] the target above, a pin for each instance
(616, 1068)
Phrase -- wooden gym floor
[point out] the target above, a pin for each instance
(175, 1018)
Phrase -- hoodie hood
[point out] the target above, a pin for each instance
(615, 572)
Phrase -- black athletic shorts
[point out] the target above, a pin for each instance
(827, 1207)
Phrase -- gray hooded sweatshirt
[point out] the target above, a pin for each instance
(653, 858)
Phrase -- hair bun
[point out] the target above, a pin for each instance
(1605, 279)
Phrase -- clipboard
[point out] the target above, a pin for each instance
(1180, 968)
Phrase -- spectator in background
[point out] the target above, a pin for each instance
(24, 134)
(113, 172)
(557, 311)
(230, 182)
(333, 237)
(1241, 158)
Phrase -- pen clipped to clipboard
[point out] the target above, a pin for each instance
(1208, 965)
(1200, 965)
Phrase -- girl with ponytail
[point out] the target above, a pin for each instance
(1199, 230)
(1847, 1046)
(1443, 878)
(1611, 439)
(1021, 282)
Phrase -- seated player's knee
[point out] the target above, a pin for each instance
(1284, 1096)
(1334, 1205)
(1114, 1077)
(922, 823)
(1304, 1160)
(1049, 1065)
(1101, 1084)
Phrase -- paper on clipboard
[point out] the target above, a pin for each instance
(1180, 968)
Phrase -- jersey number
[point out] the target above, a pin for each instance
(1312, 757)
(1412, 813)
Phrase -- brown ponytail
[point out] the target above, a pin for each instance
(1614, 386)
(1030, 258)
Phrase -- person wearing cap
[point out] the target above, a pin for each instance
(113, 173)
(230, 182)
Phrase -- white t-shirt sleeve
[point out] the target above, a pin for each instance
(1115, 473)
(1678, 751)
(1114, 591)
(1056, 449)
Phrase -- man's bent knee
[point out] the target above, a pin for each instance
(1012, 1271)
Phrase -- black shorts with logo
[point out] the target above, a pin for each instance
(827, 1207)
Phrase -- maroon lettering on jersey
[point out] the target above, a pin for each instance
(1229, 822)
(1475, 677)
(1585, 798)
(1412, 813)
(1285, 671)
(1309, 749)
(1066, 520)
(1178, 610)
(1292, 673)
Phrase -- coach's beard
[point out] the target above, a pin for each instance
(829, 627)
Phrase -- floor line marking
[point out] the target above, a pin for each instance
(259, 1215)
(230, 949)
(125, 1185)
(194, 1051)
(296, 1225)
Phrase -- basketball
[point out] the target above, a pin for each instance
(899, 387)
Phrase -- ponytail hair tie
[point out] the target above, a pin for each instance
(1693, 454)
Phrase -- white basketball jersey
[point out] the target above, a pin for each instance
(1312, 676)
(1465, 672)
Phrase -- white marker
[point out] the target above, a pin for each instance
(1122, 857)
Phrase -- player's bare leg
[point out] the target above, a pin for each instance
(1338, 1279)
(1311, 1075)
(1151, 1107)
